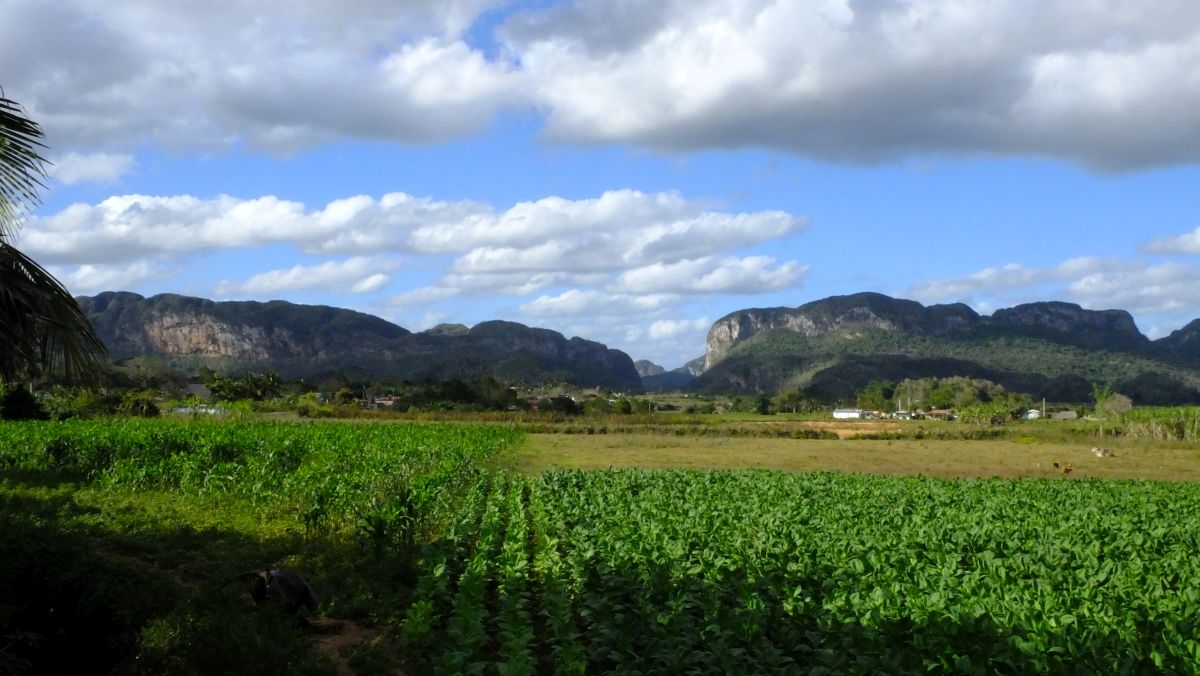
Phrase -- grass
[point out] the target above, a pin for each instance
(119, 540)
(95, 576)
(1023, 456)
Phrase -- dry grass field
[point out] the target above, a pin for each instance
(947, 458)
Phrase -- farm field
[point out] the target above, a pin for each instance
(430, 554)
(1005, 457)
(119, 539)
(636, 571)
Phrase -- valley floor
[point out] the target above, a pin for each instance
(1010, 457)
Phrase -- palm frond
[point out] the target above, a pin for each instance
(42, 329)
(41, 325)
(22, 168)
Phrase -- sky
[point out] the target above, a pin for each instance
(625, 171)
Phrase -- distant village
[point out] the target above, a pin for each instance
(938, 414)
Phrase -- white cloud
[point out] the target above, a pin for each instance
(421, 296)
(357, 275)
(130, 227)
(1187, 243)
(712, 275)
(86, 279)
(520, 283)
(1103, 83)
(994, 280)
(529, 223)
(1165, 291)
(673, 329)
(634, 242)
(618, 231)
(279, 75)
(75, 168)
(372, 283)
(593, 303)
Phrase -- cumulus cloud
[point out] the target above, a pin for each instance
(671, 329)
(989, 280)
(75, 168)
(1187, 243)
(1101, 83)
(425, 295)
(637, 243)
(1164, 290)
(131, 227)
(357, 275)
(617, 231)
(1105, 83)
(278, 75)
(85, 279)
(749, 275)
(593, 303)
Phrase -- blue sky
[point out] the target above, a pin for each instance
(624, 171)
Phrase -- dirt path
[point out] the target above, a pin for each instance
(336, 638)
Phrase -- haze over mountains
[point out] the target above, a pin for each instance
(830, 347)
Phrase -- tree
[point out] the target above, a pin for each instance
(1101, 393)
(876, 395)
(42, 329)
(764, 405)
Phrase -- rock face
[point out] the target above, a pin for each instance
(648, 368)
(1071, 324)
(305, 341)
(846, 316)
(694, 367)
(1182, 345)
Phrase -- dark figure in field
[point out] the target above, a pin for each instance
(284, 587)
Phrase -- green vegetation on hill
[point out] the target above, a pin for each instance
(835, 367)
(835, 346)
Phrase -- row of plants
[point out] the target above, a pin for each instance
(1179, 423)
(757, 572)
(118, 537)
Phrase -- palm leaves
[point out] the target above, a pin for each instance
(42, 328)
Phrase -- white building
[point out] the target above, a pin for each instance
(847, 413)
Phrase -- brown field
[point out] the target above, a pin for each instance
(950, 458)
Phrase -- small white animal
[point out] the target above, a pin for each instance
(1101, 452)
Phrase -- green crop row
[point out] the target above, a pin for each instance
(756, 572)
(1163, 423)
(378, 476)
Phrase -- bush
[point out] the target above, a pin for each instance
(18, 403)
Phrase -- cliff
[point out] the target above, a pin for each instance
(300, 341)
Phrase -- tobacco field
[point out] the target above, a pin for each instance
(452, 565)
(752, 572)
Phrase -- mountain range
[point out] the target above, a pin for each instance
(311, 341)
(831, 348)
